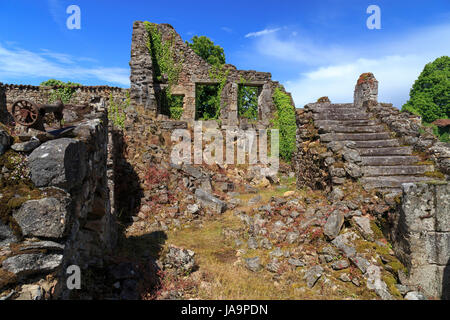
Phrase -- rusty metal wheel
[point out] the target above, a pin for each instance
(25, 112)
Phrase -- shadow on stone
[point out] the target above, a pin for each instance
(127, 190)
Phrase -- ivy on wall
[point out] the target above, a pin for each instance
(284, 120)
(65, 92)
(116, 110)
(165, 69)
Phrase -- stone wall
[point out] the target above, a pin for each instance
(69, 220)
(10, 93)
(194, 71)
(420, 232)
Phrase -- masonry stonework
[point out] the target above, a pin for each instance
(194, 71)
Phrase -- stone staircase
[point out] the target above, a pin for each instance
(385, 164)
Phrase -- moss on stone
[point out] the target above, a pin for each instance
(391, 282)
(14, 192)
(376, 230)
(436, 182)
(435, 174)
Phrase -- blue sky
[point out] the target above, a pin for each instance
(314, 48)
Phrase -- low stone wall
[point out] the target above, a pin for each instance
(68, 221)
(420, 232)
(10, 93)
(309, 159)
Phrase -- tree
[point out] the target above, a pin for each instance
(208, 98)
(206, 49)
(248, 102)
(430, 94)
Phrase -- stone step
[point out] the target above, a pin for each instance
(354, 123)
(390, 181)
(391, 191)
(375, 171)
(386, 151)
(341, 105)
(377, 143)
(328, 106)
(352, 129)
(389, 161)
(352, 116)
(327, 137)
(322, 110)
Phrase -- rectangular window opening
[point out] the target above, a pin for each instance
(171, 105)
(248, 102)
(207, 102)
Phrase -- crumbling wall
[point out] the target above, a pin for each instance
(418, 219)
(10, 93)
(420, 232)
(68, 220)
(194, 71)
(309, 159)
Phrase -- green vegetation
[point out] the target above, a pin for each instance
(116, 110)
(207, 102)
(207, 50)
(65, 91)
(16, 189)
(165, 68)
(172, 106)
(284, 120)
(208, 97)
(248, 101)
(430, 95)
(164, 64)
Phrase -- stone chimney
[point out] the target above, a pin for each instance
(366, 89)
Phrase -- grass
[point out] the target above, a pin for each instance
(226, 276)
(217, 258)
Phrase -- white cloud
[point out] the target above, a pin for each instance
(17, 63)
(332, 69)
(226, 29)
(395, 74)
(262, 33)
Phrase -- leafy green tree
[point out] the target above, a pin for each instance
(208, 97)
(430, 94)
(248, 102)
(206, 49)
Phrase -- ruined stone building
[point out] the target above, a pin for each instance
(389, 151)
(192, 71)
(81, 181)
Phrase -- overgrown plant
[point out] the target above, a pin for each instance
(247, 101)
(208, 101)
(165, 68)
(116, 110)
(284, 121)
(64, 92)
